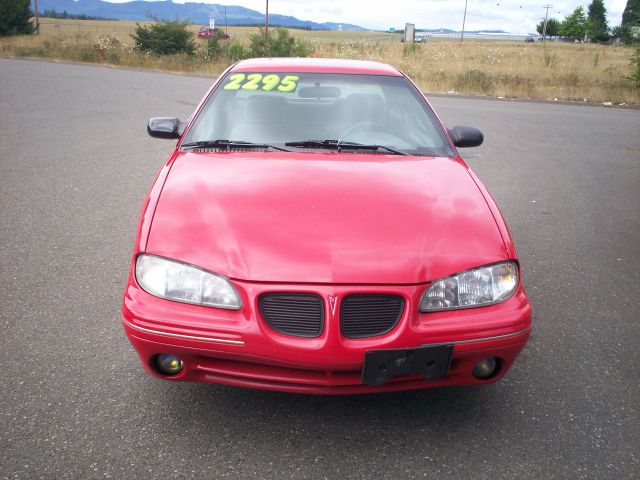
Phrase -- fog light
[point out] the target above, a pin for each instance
(485, 368)
(168, 364)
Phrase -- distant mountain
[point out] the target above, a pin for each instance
(194, 12)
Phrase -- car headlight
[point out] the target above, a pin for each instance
(473, 288)
(174, 280)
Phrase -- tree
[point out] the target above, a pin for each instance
(553, 27)
(575, 25)
(278, 44)
(213, 48)
(615, 32)
(237, 51)
(631, 14)
(597, 27)
(635, 67)
(165, 37)
(631, 21)
(15, 18)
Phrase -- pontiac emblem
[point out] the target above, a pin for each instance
(333, 301)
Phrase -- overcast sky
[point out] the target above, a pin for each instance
(516, 16)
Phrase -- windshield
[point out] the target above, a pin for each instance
(292, 108)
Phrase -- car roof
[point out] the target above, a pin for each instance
(322, 65)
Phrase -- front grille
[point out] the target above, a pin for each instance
(369, 315)
(296, 314)
(233, 149)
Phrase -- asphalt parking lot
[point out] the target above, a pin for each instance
(75, 163)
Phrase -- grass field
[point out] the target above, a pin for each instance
(563, 71)
(53, 27)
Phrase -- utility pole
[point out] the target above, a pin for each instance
(226, 30)
(546, 19)
(35, 7)
(464, 20)
(266, 21)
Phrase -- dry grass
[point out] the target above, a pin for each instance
(52, 27)
(106, 42)
(504, 69)
(597, 73)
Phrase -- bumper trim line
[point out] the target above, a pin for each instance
(187, 337)
(475, 340)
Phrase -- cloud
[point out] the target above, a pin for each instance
(519, 16)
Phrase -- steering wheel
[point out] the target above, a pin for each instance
(358, 126)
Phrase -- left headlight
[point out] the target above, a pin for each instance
(174, 280)
(473, 288)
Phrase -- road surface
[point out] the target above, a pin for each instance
(75, 163)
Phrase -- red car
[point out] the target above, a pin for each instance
(316, 231)
(207, 32)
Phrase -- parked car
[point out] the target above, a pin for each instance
(315, 230)
(206, 32)
(529, 40)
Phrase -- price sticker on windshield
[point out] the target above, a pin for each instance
(270, 82)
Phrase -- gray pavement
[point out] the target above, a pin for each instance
(75, 163)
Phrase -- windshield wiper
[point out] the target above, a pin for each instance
(340, 145)
(229, 144)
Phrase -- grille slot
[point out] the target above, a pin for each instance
(369, 315)
(295, 314)
(232, 149)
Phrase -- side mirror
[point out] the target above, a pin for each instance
(165, 127)
(466, 136)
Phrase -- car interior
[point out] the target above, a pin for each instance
(390, 117)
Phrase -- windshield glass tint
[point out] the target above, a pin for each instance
(276, 108)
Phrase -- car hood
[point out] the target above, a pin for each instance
(324, 217)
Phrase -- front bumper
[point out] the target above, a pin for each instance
(238, 348)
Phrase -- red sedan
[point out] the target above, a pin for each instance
(316, 231)
(208, 32)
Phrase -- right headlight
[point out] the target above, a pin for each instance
(474, 288)
(174, 280)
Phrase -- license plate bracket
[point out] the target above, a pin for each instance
(432, 362)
